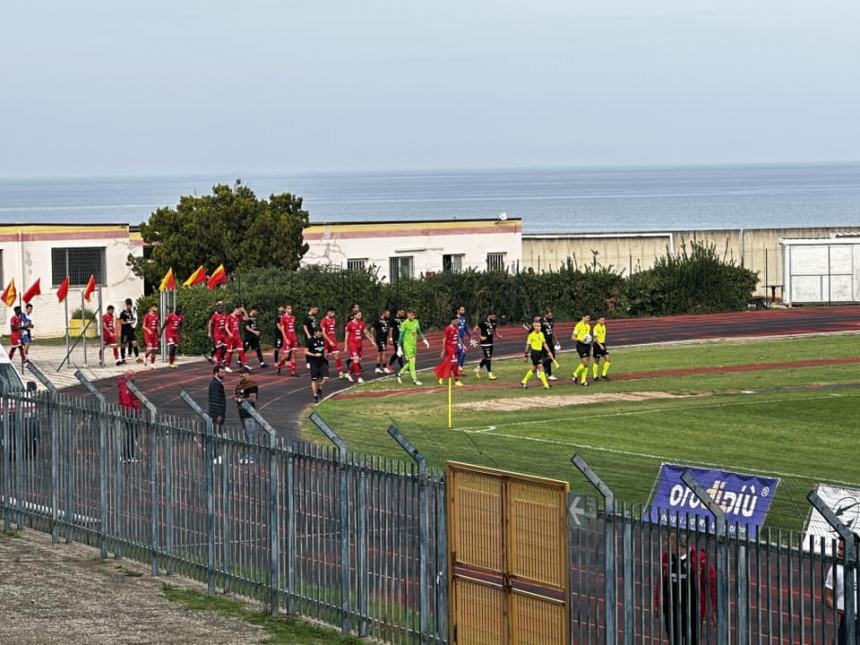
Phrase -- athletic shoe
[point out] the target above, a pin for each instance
(399, 380)
(441, 382)
(458, 383)
(478, 373)
(172, 366)
(524, 386)
(605, 378)
(387, 370)
(547, 387)
(378, 370)
(245, 369)
(228, 370)
(491, 376)
(584, 383)
(263, 365)
(595, 379)
(417, 382)
(552, 377)
(341, 374)
(316, 399)
(348, 377)
(359, 380)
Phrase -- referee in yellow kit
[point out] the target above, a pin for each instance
(536, 350)
(600, 350)
(582, 336)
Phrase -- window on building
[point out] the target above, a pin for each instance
(356, 264)
(401, 268)
(79, 263)
(452, 263)
(495, 261)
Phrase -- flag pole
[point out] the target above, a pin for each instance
(83, 327)
(66, 312)
(450, 388)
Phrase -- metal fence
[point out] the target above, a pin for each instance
(361, 543)
(342, 539)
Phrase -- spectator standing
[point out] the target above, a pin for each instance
(834, 593)
(130, 404)
(217, 403)
(247, 390)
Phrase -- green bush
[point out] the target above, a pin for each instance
(695, 281)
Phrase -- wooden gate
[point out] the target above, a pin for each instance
(508, 568)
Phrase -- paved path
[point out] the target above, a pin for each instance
(285, 400)
(65, 594)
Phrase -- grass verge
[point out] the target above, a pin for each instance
(280, 630)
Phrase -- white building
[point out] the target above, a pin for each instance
(404, 250)
(51, 252)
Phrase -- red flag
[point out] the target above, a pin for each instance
(91, 286)
(219, 276)
(63, 291)
(34, 290)
(168, 282)
(9, 295)
(198, 277)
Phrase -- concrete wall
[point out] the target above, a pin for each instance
(756, 249)
(426, 242)
(26, 256)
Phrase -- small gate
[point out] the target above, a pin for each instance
(507, 536)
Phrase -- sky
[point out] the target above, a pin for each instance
(98, 87)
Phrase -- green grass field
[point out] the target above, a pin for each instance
(798, 423)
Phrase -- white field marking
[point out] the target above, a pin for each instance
(727, 404)
(661, 458)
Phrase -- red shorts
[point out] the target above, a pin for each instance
(218, 340)
(234, 344)
(354, 349)
(151, 343)
(15, 339)
(331, 347)
(172, 340)
(290, 342)
(109, 340)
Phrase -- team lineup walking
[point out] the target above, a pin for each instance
(312, 344)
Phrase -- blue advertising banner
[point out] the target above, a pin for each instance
(745, 499)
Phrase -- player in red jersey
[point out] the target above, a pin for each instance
(234, 341)
(290, 344)
(328, 324)
(110, 336)
(171, 329)
(151, 329)
(449, 366)
(15, 336)
(354, 334)
(216, 332)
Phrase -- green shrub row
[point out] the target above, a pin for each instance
(695, 281)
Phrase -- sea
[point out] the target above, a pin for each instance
(548, 200)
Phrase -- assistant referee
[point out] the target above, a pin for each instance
(582, 336)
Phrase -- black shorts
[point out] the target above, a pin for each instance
(381, 345)
(583, 349)
(319, 370)
(600, 350)
(488, 351)
(126, 334)
(279, 340)
(537, 356)
(252, 342)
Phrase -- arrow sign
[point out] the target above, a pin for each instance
(580, 510)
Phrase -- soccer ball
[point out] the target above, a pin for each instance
(588, 339)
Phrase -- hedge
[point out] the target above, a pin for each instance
(695, 281)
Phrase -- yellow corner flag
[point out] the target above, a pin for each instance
(10, 294)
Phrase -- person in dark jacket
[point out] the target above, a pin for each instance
(130, 404)
(217, 402)
(683, 591)
(247, 391)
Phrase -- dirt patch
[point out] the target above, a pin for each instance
(529, 402)
(65, 594)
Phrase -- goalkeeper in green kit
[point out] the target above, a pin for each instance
(410, 333)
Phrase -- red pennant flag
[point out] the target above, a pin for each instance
(91, 286)
(63, 291)
(10, 294)
(198, 277)
(34, 290)
(168, 282)
(219, 276)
